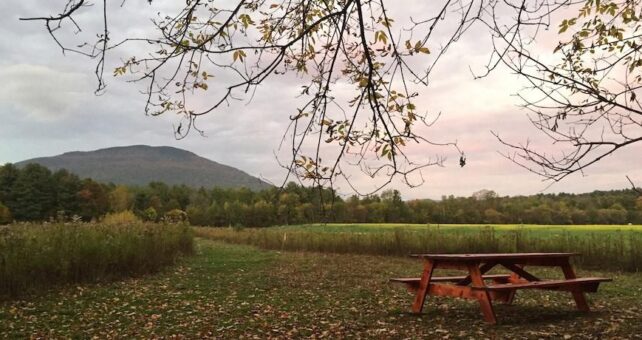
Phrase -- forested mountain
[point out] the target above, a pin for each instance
(141, 164)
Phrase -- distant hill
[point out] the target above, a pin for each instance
(141, 164)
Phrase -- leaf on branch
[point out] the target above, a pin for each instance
(246, 20)
(239, 54)
(119, 71)
(563, 26)
(381, 36)
(419, 48)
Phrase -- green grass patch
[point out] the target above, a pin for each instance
(36, 256)
(602, 247)
(235, 291)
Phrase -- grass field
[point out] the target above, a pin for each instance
(601, 246)
(533, 228)
(233, 291)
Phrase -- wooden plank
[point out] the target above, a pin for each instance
(455, 265)
(424, 284)
(514, 278)
(464, 292)
(483, 270)
(449, 278)
(520, 271)
(578, 295)
(570, 284)
(493, 256)
(540, 261)
(483, 297)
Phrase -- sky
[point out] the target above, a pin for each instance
(48, 107)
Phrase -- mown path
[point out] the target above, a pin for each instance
(230, 291)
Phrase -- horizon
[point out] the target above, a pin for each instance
(344, 195)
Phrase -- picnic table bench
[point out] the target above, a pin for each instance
(500, 287)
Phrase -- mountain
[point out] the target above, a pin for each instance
(141, 164)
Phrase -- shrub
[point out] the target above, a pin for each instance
(150, 214)
(122, 217)
(176, 216)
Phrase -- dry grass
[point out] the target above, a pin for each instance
(35, 255)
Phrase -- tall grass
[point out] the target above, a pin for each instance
(617, 250)
(40, 255)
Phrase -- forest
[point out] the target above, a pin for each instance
(34, 193)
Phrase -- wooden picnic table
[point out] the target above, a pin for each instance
(502, 287)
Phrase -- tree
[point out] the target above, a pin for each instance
(395, 208)
(94, 201)
(348, 44)
(141, 202)
(287, 207)
(5, 214)
(263, 215)
(67, 186)
(8, 176)
(120, 199)
(492, 216)
(588, 102)
(484, 194)
(33, 193)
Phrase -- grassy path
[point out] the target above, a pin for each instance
(230, 291)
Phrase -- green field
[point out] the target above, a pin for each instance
(233, 291)
(545, 229)
(602, 246)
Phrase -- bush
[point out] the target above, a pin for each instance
(122, 217)
(150, 214)
(34, 256)
(176, 216)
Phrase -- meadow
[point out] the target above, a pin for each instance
(318, 281)
(230, 291)
(40, 255)
(601, 246)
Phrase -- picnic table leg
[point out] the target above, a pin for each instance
(578, 295)
(514, 278)
(482, 296)
(424, 286)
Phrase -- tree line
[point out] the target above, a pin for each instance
(34, 193)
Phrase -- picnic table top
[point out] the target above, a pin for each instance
(493, 256)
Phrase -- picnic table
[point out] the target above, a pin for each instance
(498, 287)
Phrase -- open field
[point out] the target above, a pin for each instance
(229, 291)
(616, 247)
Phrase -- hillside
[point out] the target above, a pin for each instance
(141, 164)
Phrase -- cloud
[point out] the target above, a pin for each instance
(42, 92)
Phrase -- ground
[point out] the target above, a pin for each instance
(232, 291)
